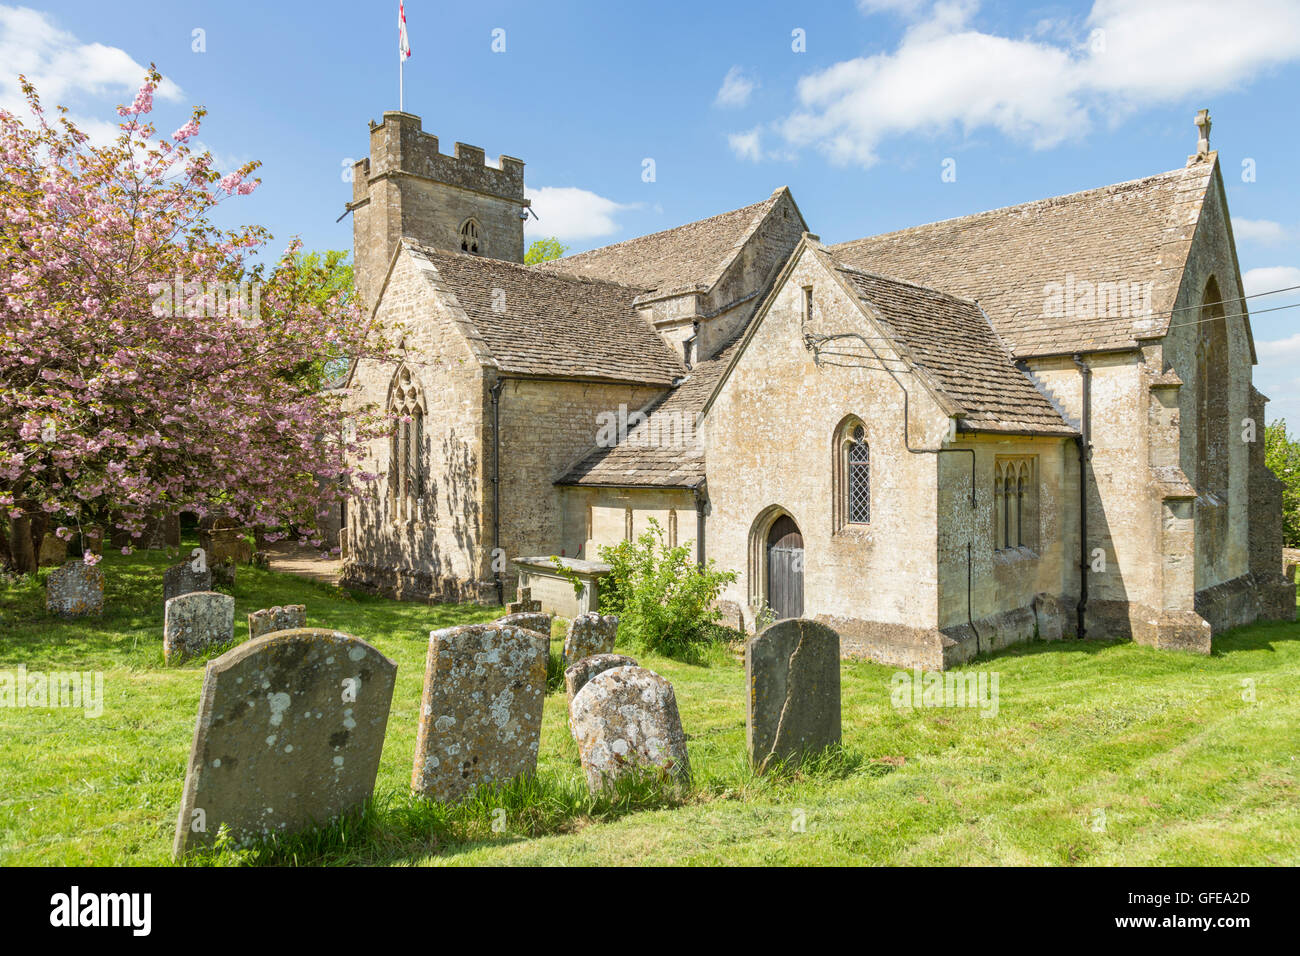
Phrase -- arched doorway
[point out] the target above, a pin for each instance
(785, 568)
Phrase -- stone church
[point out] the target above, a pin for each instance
(1030, 422)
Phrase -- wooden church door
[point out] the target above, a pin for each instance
(785, 568)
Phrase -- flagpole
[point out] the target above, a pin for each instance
(401, 91)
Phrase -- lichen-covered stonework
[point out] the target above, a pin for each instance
(589, 634)
(481, 713)
(196, 621)
(289, 735)
(75, 590)
(625, 720)
(268, 620)
(182, 579)
(528, 620)
(792, 674)
(577, 674)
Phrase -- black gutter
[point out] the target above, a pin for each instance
(496, 486)
(1084, 441)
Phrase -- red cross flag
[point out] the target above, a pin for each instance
(403, 44)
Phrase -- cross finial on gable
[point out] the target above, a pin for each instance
(1203, 140)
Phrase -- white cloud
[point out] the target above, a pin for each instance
(1279, 350)
(567, 212)
(735, 88)
(1269, 278)
(746, 145)
(1258, 230)
(945, 74)
(64, 70)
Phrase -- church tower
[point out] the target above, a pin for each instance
(407, 188)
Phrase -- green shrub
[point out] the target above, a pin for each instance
(664, 599)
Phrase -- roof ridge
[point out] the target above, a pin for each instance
(660, 232)
(520, 267)
(907, 282)
(1045, 201)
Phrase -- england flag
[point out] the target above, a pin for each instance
(403, 44)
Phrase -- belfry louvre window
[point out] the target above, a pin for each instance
(469, 236)
(1015, 503)
(852, 475)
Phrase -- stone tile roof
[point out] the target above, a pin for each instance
(653, 454)
(688, 258)
(954, 342)
(1137, 231)
(552, 324)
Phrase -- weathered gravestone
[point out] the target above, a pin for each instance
(792, 671)
(229, 545)
(183, 579)
(579, 672)
(196, 621)
(524, 603)
(290, 730)
(75, 590)
(268, 620)
(481, 714)
(589, 634)
(528, 620)
(54, 551)
(625, 720)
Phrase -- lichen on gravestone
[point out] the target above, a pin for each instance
(625, 721)
(289, 735)
(75, 590)
(194, 622)
(280, 618)
(481, 711)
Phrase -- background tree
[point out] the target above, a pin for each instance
(145, 367)
(1282, 455)
(544, 250)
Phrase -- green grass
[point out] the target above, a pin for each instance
(1184, 770)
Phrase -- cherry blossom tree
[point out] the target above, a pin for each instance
(147, 365)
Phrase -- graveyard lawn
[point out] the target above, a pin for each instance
(1100, 753)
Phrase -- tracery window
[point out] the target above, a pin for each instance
(1015, 504)
(406, 460)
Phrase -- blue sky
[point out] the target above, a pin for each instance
(1027, 100)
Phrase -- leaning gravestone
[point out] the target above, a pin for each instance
(528, 620)
(578, 673)
(625, 719)
(268, 620)
(290, 729)
(196, 621)
(75, 590)
(481, 714)
(183, 579)
(792, 670)
(589, 634)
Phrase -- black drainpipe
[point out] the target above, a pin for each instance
(496, 487)
(701, 500)
(1084, 442)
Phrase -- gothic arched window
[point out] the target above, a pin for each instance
(852, 474)
(406, 466)
(469, 236)
(1015, 504)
